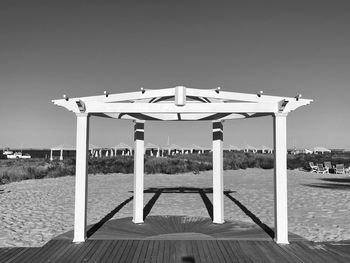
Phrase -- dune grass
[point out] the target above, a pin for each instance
(17, 170)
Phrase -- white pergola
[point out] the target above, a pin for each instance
(182, 104)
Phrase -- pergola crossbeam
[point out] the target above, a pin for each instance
(99, 107)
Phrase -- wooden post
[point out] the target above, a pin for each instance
(218, 183)
(61, 155)
(280, 176)
(138, 171)
(51, 155)
(81, 184)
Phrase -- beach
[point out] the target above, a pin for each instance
(35, 211)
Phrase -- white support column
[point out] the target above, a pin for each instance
(81, 183)
(218, 182)
(51, 155)
(138, 171)
(280, 176)
(61, 155)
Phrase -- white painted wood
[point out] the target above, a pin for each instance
(82, 142)
(293, 104)
(61, 155)
(138, 102)
(184, 117)
(130, 96)
(51, 155)
(138, 177)
(280, 176)
(218, 180)
(157, 93)
(99, 107)
(235, 96)
(180, 96)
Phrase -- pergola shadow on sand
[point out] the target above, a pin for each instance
(182, 104)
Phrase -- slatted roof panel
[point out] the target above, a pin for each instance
(181, 103)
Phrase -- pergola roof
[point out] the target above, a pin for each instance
(264, 147)
(321, 149)
(122, 146)
(151, 146)
(173, 146)
(249, 147)
(181, 103)
(234, 148)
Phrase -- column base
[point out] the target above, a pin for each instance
(79, 240)
(218, 221)
(281, 241)
(137, 221)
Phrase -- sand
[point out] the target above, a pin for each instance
(34, 211)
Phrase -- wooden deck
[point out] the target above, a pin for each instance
(178, 251)
(178, 239)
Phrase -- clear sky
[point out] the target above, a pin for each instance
(81, 48)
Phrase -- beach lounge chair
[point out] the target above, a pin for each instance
(340, 169)
(321, 169)
(329, 167)
(313, 167)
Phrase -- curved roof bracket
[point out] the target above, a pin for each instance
(81, 105)
(282, 105)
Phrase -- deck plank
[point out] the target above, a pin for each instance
(80, 251)
(9, 252)
(341, 250)
(155, 251)
(88, 253)
(239, 253)
(222, 250)
(113, 249)
(215, 251)
(130, 253)
(166, 253)
(50, 249)
(143, 251)
(124, 253)
(135, 257)
(230, 252)
(149, 251)
(13, 253)
(104, 249)
(194, 251)
(160, 252)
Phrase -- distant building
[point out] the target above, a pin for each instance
(321, 150)
(265, 149)
(299, 151)
(234, 148)
(122, 149)
(249, 148)
(153, 150)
